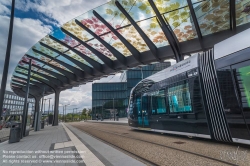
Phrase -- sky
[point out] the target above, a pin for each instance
(33, 20)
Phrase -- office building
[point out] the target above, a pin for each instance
(13, 104)
(110, 97)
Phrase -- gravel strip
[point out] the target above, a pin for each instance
(162, 155)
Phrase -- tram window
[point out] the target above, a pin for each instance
(179, 98)
(227, 91)
(242, 75)
(158, 102)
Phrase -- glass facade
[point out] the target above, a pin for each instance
(103, 94)
(109, 96)
(13, 104)
(133, 76)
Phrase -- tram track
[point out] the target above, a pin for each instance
(96, 132)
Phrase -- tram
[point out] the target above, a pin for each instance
(206, 95)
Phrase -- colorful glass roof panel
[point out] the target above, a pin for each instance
(44, 50)
(182, 24)
(48, 41)
(100, 47)
(213, 16)
(242, 8)
(74, 56)
(51, 69)
(88, 53)
(152, 29)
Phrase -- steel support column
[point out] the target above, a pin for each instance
(7, 59)
(36, 113)
(25, 109)
(232, 15)
(56, 106)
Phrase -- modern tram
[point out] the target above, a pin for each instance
(206, 95)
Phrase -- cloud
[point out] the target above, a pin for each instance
(79, 97)
(59, 10)
(4, 10)
(26, 32)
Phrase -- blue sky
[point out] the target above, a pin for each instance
(33, 20)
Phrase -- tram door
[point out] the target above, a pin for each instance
(145, 111)
(138, 111)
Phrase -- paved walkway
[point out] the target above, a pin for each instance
(62, 145)
(4, 133)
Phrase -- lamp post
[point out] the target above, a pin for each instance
(102, 110)
(73, 112)
(114, 108)
(48, 110)
(65, 111)
(72, 115)
(80, 116)
(52, 108)
(49, 106)
(76, 110)
(44, 105)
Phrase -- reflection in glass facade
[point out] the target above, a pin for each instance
(109, 96)
(244, 76)
(106, 96)
(13, 104)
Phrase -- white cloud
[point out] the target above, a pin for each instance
(79, 97)
(4, 10)
(26, 32)
(29, 31)
(60, 10)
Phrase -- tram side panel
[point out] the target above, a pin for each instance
(234, 79)
(176, 106)
(185, 112)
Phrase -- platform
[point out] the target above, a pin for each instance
(59, 145)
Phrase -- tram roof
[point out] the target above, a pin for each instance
(123, 34)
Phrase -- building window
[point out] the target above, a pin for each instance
(179, 98)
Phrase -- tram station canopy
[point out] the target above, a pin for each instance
(123, 34)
